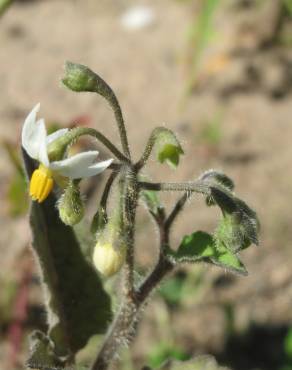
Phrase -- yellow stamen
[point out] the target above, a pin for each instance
(41, 184)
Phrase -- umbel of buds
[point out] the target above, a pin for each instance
(110, 251)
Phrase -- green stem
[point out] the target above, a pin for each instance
(131, 201)
(149, 147)
(74, 134)
(197, 186)
(176, 210)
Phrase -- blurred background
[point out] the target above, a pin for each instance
(218, 73)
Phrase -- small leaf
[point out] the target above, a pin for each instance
(239, 227)
(216, 178)
(202, 247)
(77, 305)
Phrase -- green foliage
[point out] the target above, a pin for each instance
(216, 178)
(288, 344)
(4, 5)
(163, 351)
(172, 290)
(288, 6)
(239, 227)
(202, 247)
(77, 305)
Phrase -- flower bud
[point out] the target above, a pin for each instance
(71, 208)
(79, 78)
(108, 259)
(168, 148)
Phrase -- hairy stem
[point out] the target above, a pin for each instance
(149, 147)
(196, 186)
(75, 133)
(124, 326)
(131, 201)
(176, 210)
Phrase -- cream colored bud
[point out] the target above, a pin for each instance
(107, 259)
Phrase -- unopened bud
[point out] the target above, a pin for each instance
(71, 207)
(168, 148)
(79, 78)
(108, 259)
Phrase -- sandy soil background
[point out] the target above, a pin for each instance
(148, 70)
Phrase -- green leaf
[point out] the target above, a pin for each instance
(170, 153)
(214, 177)
(77, 305)
(198, 363)
(239, 227)
(202, 247)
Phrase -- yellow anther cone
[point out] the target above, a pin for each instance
(41, 184)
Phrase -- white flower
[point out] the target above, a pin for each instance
(35, 141)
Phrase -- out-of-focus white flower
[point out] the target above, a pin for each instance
(137, 17)
(35, 141)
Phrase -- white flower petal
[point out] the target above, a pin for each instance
(73, 165)
(93, 170)
(55, 135)
(31, 134)
(43, 154)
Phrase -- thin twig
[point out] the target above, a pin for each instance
(197, 186)
(75, 133)
(176, 210)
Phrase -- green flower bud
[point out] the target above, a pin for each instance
(168, 148)
(79, 78)
(71, 207)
